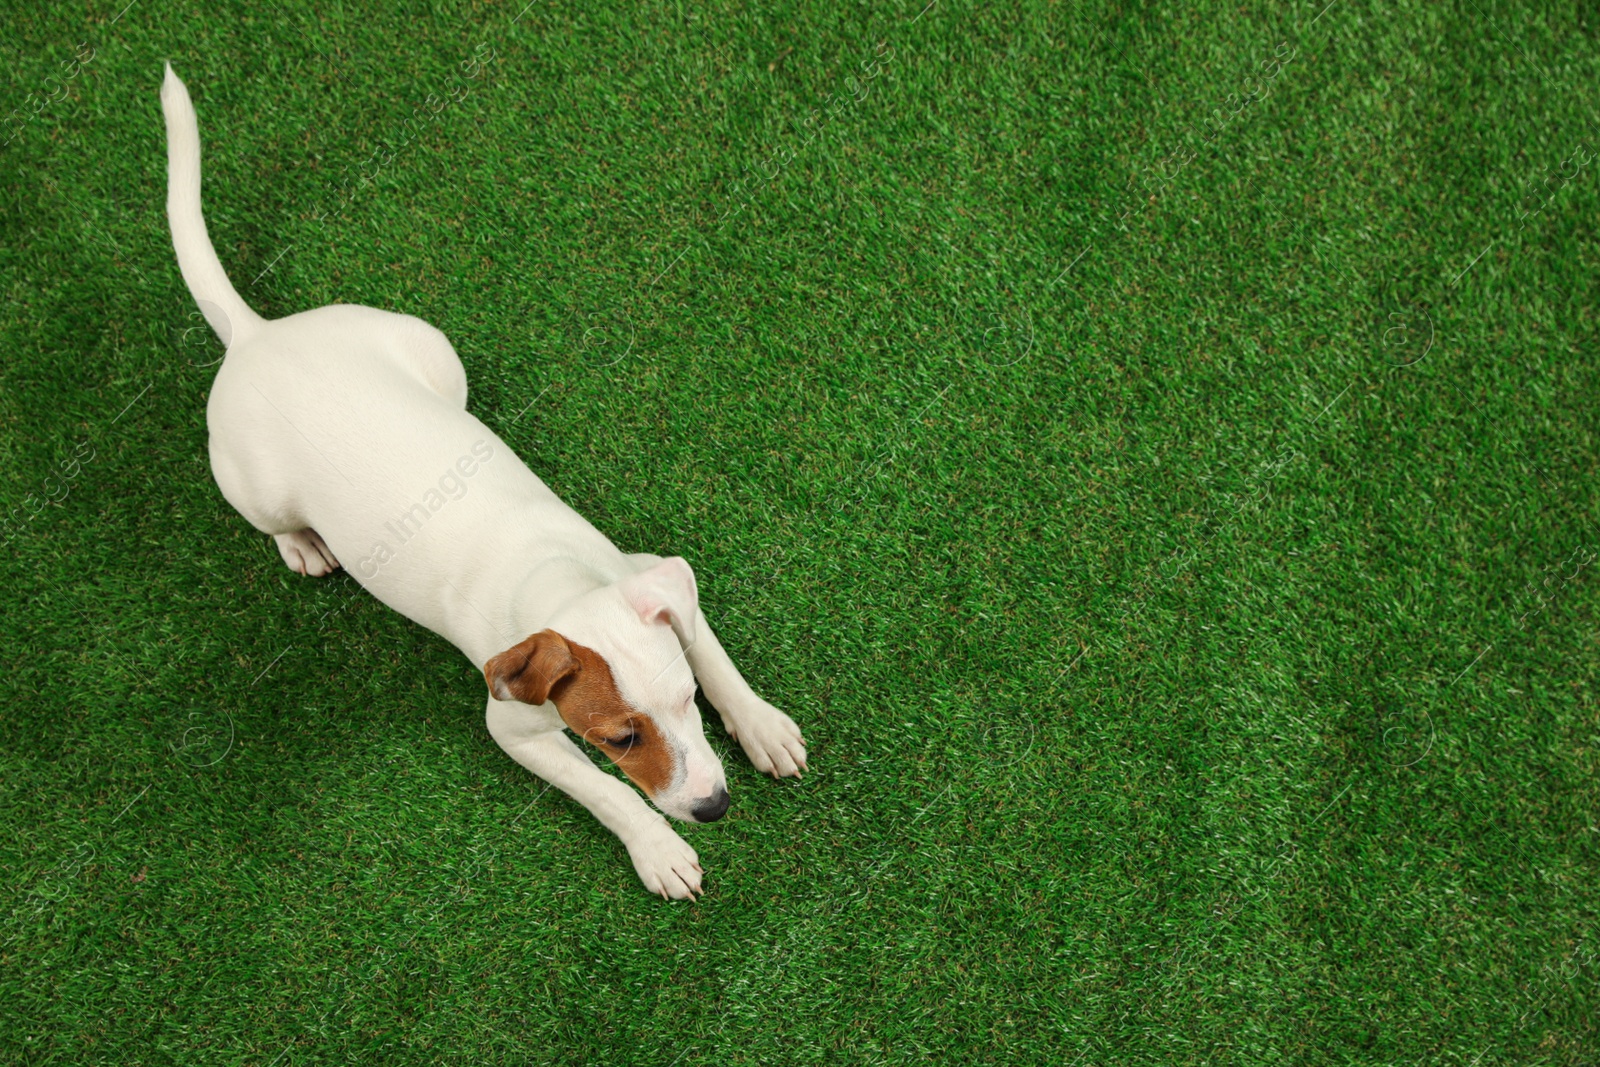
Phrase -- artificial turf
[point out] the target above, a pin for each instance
(1150, 449)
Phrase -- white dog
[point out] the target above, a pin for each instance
(343, 432)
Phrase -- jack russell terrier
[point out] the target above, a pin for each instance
(329, 430)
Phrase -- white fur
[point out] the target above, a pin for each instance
(343, 432)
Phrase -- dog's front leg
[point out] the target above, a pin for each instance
(665, 862)
(769, 737)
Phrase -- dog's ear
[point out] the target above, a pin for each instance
(528, 670)
(665, 593)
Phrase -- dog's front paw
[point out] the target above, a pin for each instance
(667, 866)
(770, 738)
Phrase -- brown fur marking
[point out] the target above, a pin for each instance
(528, 670)
(548, 666)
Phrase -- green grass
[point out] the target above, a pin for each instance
(1188, 589)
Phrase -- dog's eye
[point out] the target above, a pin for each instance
(623, 743)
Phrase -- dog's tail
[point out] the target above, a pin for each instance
(223, 308)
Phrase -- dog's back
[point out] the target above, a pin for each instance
(329, 411)
(351, 422)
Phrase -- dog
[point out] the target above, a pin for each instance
(343, 433)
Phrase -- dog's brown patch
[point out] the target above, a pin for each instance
(547, 666)
(528, 670)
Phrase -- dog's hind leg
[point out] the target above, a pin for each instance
(306, 553)
(302, 549)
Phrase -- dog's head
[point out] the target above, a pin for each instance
(612, 661)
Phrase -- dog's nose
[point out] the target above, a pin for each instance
(712, 807)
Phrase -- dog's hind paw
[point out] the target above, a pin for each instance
(770, 738)
(306, 553)
(667, 866)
